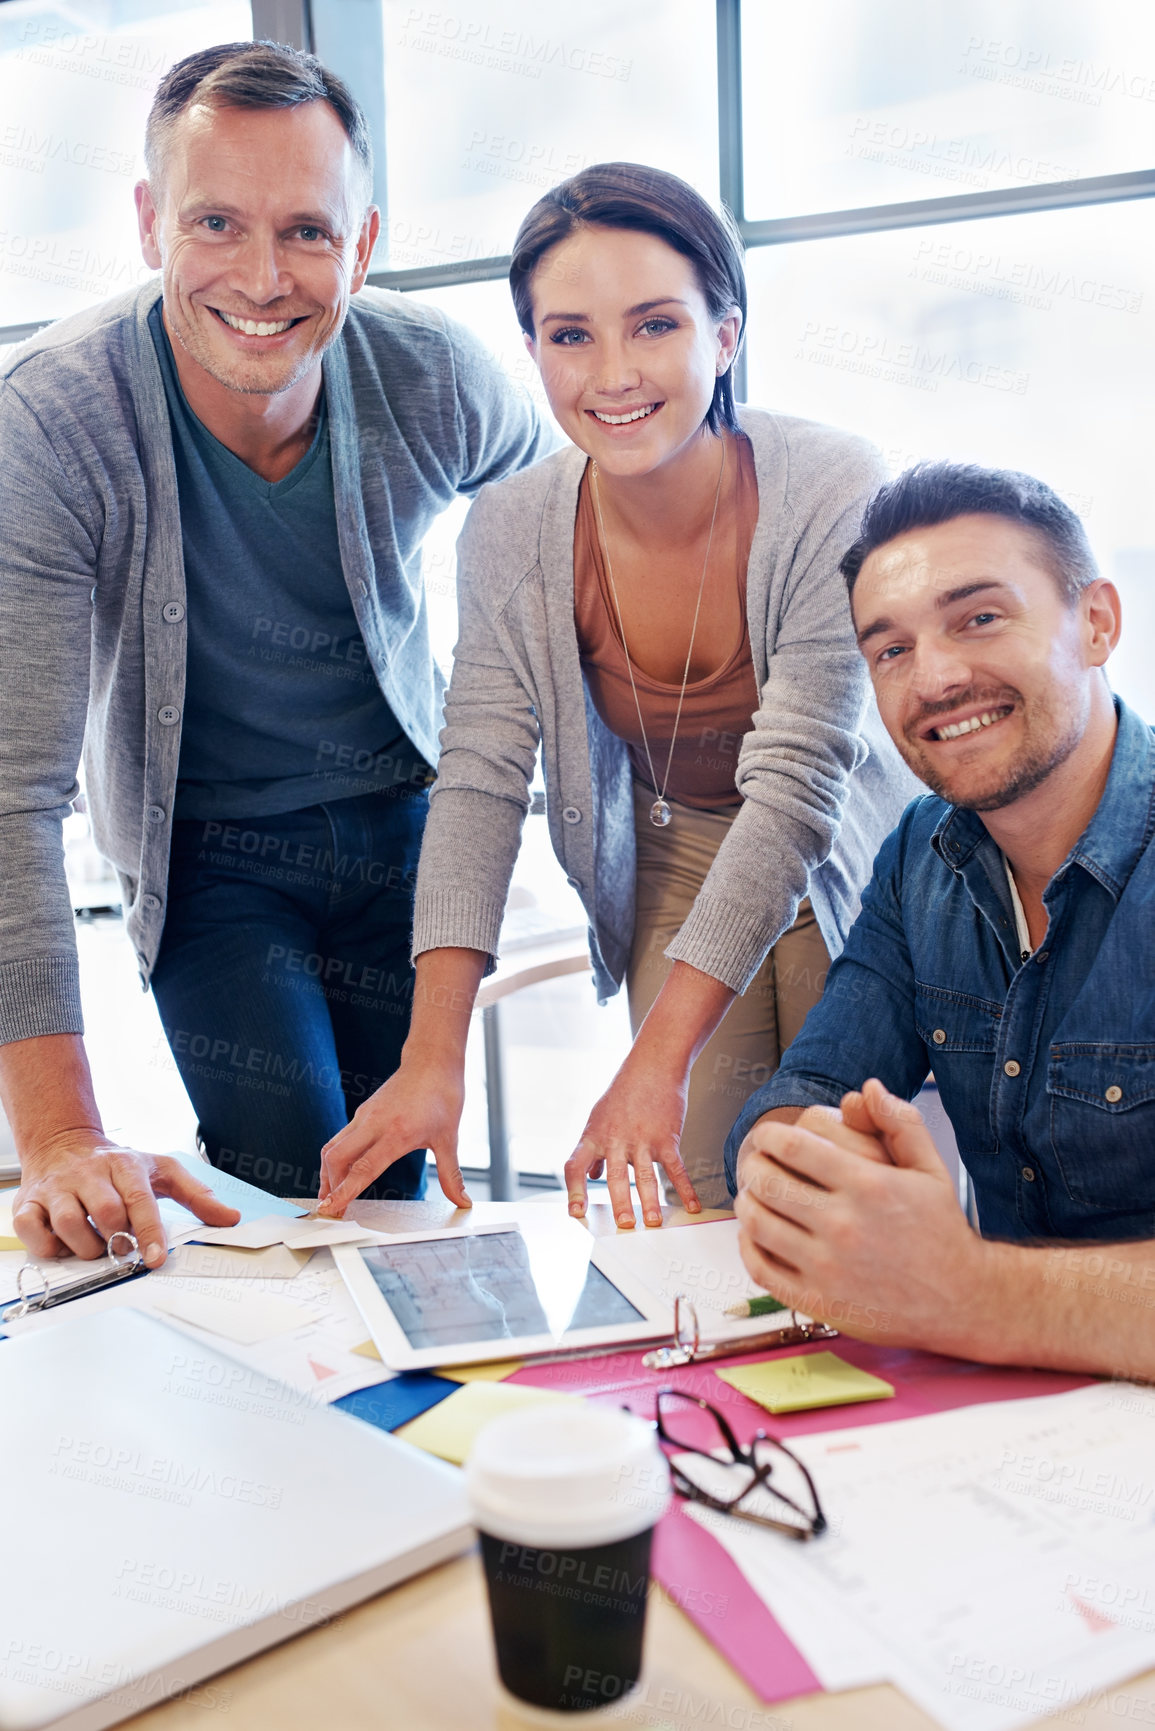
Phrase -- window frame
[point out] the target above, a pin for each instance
(311, 23)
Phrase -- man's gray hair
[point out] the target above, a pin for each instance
(252, 75)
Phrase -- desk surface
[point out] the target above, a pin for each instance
(419, 1658)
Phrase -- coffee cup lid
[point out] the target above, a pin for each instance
(567, 1474)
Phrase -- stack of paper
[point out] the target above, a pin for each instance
(993, 1562)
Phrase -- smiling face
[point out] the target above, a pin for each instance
(984, 674)
(261, 232)
(626, 347)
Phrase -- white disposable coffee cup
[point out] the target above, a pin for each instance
(566, 1497)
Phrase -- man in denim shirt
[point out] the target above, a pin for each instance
(1004, 941)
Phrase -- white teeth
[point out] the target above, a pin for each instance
(253, 328)
(620, 420)
(971, 725)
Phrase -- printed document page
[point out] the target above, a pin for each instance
(998, 1560)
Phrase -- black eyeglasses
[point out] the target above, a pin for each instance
(763, 1482)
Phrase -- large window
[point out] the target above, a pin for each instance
(947, 209)
(850, 104)
(1025, 341)
(76, 82)
(490, 102)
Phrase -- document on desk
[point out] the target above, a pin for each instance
(179, 1224)
(314, 1355)
(997, 1560)
(701, 1263)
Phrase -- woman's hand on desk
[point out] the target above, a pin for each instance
(637, 1122)
(418, 1107)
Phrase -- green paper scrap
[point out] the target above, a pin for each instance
(805, 1380)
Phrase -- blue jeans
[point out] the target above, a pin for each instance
(284, 982)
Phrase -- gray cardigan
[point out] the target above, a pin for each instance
(92, 593)
(822, 784)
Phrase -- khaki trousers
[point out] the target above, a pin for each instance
(744, 1051)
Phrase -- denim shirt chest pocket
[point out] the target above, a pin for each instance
(960, 1033)
(1102, 1111)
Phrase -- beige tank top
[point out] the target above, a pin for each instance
(717, 710)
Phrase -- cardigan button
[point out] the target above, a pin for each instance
(571, 814)
(168, 715)
(173, 612)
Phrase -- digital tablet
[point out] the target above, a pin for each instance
(454, 1297)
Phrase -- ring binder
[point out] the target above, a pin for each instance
(124, 1266)
(688, 1346)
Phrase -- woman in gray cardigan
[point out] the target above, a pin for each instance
(626, 605)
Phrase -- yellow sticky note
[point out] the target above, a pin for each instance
(495, 1372)
(450, 1428)
(805, 1380)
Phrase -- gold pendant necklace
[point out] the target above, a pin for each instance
(660, 813)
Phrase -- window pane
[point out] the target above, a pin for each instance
(847, 104)
(488, 105)
(73, 103)
(1025, 342)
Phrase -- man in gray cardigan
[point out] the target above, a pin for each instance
(212, 503)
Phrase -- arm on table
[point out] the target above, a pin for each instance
(72, 1173)
(488, 751)
(49, 540)
(638, 1120)
(794, 773)
(420, 1105)
(881, 1249)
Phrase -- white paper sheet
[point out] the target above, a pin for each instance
(223, 1262)
(1001, 1556)
(701, 1263)
(317, 1357)
(238, 1313)
(306, 1232)
(840, 1652)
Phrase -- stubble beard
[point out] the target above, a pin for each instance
(246, 381)
(1050, 740)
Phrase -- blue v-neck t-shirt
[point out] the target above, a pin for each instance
(282, 707)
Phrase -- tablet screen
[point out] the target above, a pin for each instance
(478, 1287)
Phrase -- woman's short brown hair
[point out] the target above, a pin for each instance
(630, 196)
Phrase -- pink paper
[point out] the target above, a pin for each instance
(689, 1563)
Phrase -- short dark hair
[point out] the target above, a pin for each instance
(631, 196)
(934, 493)
(252, 75)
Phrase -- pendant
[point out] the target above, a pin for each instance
(660, 814)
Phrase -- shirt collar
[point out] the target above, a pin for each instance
(1110, 846)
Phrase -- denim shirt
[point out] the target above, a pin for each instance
(1046, 1067)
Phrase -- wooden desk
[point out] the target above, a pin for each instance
(419, 1658)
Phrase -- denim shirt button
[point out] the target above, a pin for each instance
(1113, 1094)
(1011, 1068)
(939, 1036)
(1029, 1174)
(1042, 956)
